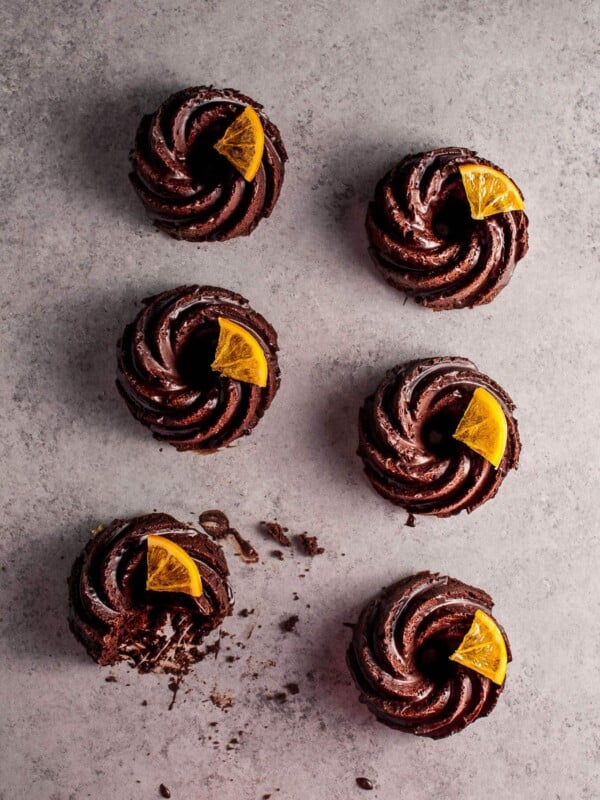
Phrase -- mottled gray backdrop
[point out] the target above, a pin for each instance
(353, 87)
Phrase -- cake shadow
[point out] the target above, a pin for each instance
(78, 378)
(94, 131)
(38, 626)
(336, 414)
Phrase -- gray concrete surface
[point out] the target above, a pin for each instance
(353, 86)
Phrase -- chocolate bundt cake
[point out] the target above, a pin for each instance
(165, 376)
(425, 242)
(406, 438)
(190, 190)
(399, 656)
(116, 618)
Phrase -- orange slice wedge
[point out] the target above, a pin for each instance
(171, 569)
(243, 143)
(239, 355)
(483, 427)
(483, 649)
(489, 191)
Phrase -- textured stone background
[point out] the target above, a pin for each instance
(353, 86)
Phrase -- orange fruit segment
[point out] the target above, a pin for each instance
(489, 191)
(483, 649)
(239, 355)
(243, 143)
(483, 427)
(171, 569)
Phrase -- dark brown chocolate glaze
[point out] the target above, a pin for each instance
(424, 241)
(405, 438)
(116, 618)
(164, 373)
(190, 190)
(399, 656)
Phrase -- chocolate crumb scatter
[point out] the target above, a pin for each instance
(277, 532)
(410, 521)
(289, 624)
(110, 679)
(309, 545)
(164, 791)
(292, 688)
(364, 783)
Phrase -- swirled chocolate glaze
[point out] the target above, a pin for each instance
(399, 656)
(424, 241)
(405, 438)
(116, 618)
(188, 189)
(164, 372)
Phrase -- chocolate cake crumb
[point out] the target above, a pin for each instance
(221, 700)
(231, 659)
(111, 679)
(266, 796)
(277, 554)
(289, 624)
(164, 792)
(410, 521)
(279, 697)
(144, 702)
(214, 522)
(364, 783)
(309, 544)
(277, 533)
(292, 688)
(245, 612)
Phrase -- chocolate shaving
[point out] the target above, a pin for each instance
(246, 551)
(364, 783)
(214, 522)
(410, 521)
(277, 532)
(309, 545)
(164, 791)
(174, 685)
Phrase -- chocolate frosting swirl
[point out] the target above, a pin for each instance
(164, 372)
(399, 653)
(116, 619)
(405, 438)
(425, 242)
(189, 189)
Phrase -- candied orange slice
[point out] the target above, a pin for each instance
(489, 191)
(171, 569)
(239, 355)
(243, 143)
(483, 427)
(483, 649)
